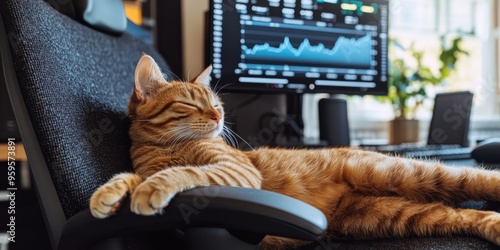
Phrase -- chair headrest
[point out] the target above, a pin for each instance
(104, 15)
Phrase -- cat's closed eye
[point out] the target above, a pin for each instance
(185, 106)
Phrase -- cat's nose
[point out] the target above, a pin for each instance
(215, 117)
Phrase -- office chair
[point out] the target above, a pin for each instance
(69, 67)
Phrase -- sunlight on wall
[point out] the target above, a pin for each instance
(193, 27)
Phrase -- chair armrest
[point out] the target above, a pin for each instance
(234, 208)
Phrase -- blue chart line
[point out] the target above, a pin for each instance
(346, 51)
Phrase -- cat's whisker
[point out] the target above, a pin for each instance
(217, 84)
(161, 134)
(229, 138)
(189, 134)
(175, 132)
(217, 92)
(235, 134)
(182, 134)
(174, 141)
(226, 120)
(161, 137)
(185, 136)
(226, 133)
(234, 140)
(172, 74)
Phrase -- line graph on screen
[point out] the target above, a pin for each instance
(345, 51)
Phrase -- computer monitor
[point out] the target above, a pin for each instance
(299, 46)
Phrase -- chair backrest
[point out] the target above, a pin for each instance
(69, 85)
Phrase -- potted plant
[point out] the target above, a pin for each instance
(408, 85)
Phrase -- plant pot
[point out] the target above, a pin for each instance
(403, 131)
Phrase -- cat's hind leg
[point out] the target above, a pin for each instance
(368, 217)
(107, 199)
(434, 181)
(380, 175)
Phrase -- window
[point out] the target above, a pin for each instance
(495, 37)
(422, 24)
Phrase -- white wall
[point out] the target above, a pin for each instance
(193, 35)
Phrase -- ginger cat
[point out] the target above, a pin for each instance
(176, 145)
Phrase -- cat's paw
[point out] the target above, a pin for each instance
(108, 198)
(150, 197)
(492, 228)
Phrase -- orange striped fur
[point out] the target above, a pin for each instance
(176, 145)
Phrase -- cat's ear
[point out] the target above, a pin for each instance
(204, 78)
(148, 77)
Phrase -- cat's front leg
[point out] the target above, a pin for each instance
(107, 199)
(154, 194)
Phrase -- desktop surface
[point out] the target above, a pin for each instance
(471, 163)
(432, 151)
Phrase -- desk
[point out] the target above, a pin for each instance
(471, 163)
(20, 153)
(464, 162)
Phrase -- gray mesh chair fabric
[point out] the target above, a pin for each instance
(76, 83)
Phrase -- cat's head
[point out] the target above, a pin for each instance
(167, 112)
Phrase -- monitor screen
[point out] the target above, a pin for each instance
(328, 46)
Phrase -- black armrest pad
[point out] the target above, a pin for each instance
(244, 209)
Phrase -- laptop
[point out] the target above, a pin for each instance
(450, 119)
(448, 136)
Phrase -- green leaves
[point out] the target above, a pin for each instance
(408, 84)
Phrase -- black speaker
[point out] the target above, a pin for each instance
(333, 122)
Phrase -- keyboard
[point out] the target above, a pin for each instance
(440, 152)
